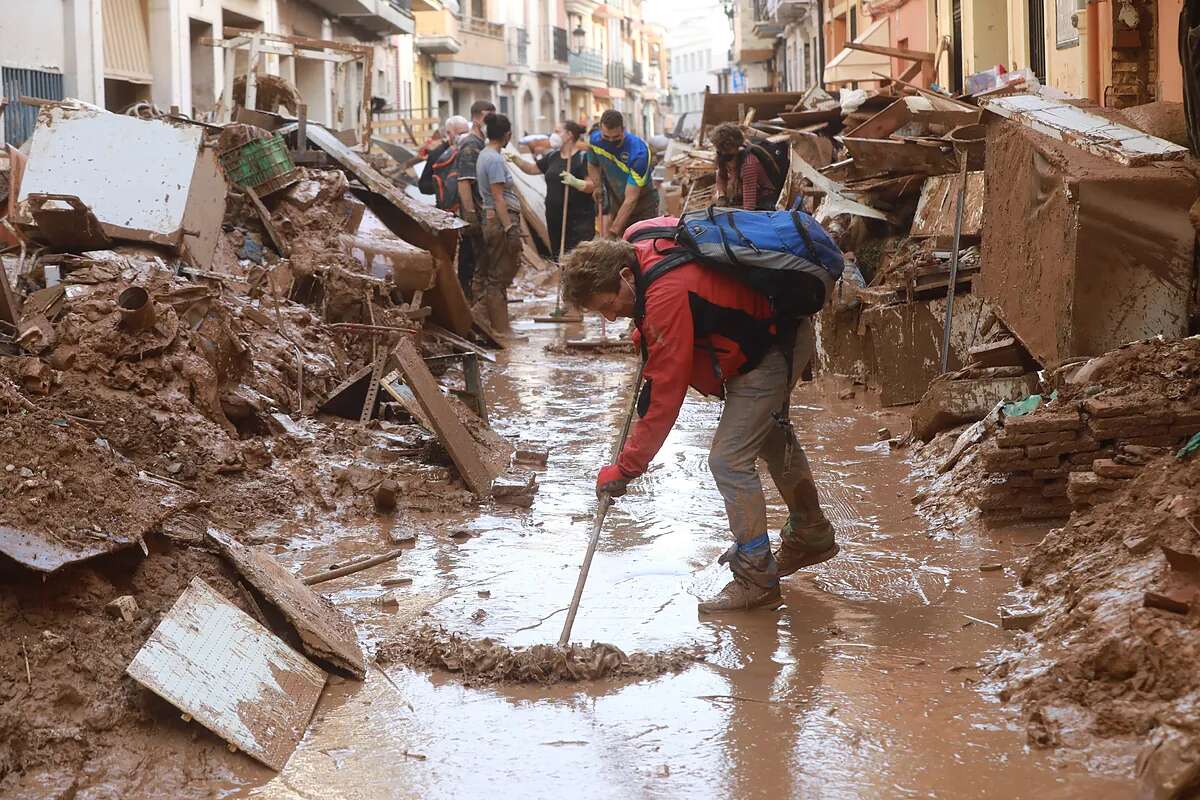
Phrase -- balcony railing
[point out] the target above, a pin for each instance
(553, 44)
(616, 75)
(482, 27)
(586, 64)
(518, 47)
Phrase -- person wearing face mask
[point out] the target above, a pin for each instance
(501, 226)
(619, 161)
(748, 176)
(700, 327)
(565, 157)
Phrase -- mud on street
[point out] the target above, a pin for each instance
(289, 511)
(865, 684)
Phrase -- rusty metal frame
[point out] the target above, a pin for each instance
(259, 43)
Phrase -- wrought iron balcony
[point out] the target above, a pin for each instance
(616, 75)
(586, 64)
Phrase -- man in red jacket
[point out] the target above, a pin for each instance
(703, 329)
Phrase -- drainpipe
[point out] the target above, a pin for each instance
(821, 43)
(1092, 31)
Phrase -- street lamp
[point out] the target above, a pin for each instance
(578, 36)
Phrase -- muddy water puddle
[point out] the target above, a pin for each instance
(859, 686)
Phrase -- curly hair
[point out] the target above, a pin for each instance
(594, 267)
(727, 133)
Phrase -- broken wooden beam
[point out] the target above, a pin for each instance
(350, 569)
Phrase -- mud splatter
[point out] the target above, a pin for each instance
(484, 661)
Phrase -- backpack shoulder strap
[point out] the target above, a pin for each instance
(655, 232)
(675, 257)
(768, 162)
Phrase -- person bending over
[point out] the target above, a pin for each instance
(702, 328)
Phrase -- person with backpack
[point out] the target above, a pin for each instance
(473, 255)
(749, 176)
(727, 313)
(439, 177)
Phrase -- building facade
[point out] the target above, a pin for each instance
(1118, 53)
(116, 53)
(699, 47)
(541, 61)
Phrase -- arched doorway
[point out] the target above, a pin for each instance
(528, 114)
(549, 114)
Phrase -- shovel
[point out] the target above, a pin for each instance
(601, 511)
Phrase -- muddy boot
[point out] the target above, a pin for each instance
(804, 543)
(755, 579)
(497, 312)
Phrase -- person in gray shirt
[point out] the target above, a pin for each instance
(501, 225)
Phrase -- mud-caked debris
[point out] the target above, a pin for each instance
(123, 608)
(485, 661)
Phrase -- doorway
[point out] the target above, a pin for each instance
(1037, 38)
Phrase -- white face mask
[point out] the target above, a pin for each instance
(555, 141)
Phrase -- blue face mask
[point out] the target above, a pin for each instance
(555, 141)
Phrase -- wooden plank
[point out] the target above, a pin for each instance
(10, 304)
(900, 157)
(326, 633)
(453, 434)
(229, 673)
(891, 52)
(935, 210)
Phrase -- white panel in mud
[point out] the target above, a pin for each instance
(232, 675)
(133, 173)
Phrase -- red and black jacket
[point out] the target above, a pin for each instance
(697, 327)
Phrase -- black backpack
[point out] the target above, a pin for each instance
(425, 182)
(775, 158)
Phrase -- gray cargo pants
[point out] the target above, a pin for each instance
(749, 430)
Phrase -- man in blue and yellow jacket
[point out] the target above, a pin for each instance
(620, 162)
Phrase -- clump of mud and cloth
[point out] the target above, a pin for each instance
(1106, 672)
(143, 402)
(484, 661)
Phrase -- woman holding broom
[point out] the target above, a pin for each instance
(577, 209)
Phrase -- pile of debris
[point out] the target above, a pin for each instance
(212, 328)
(1117, 590)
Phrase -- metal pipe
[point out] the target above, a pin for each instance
(137, 309)
(953, 284)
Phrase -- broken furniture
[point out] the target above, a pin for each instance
(103, 160)
(424, 226)
(1102, 278)
(226, 671)
(65, 223)
(357, 397)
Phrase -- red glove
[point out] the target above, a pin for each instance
(611, 481)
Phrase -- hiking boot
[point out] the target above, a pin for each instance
(802, 545)
(792, 559)
(741, 595)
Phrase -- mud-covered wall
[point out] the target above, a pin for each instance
(1081, 254)
(1029, 231)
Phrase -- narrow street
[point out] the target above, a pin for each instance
(861, 686)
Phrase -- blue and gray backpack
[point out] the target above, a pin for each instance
(786, 255)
